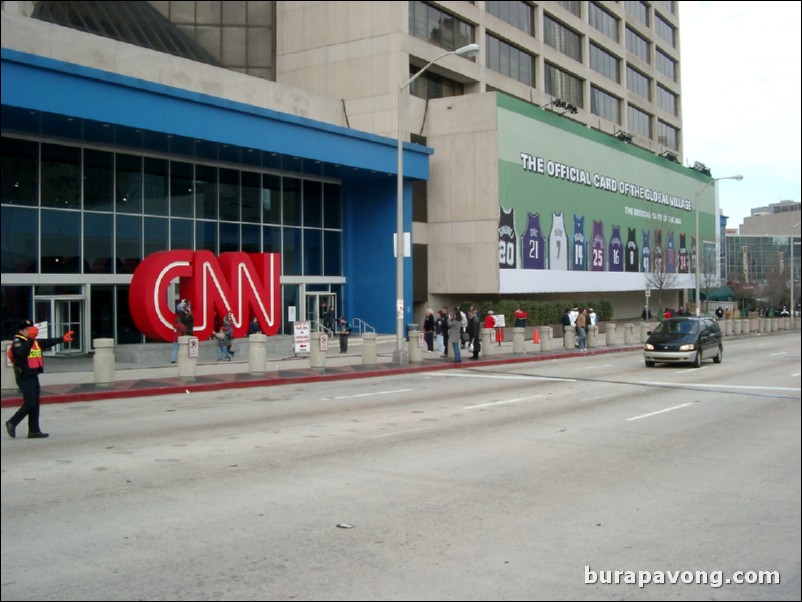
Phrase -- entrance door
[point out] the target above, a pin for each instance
(61, 315)
(321, 309)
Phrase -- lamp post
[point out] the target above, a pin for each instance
(698, 241)
(399, 355)
(793, 322)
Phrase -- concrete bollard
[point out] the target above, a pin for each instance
(415, 354)
(569, 338)
(317, 358)
(775, 324)
(257, 354)
(187, 366)
(645, 329)
(517, 341)
(728, 329)
(629, 334)
(487, 346)
(736, 326)
(103, 362)
(545, 337)
(8, 380)
(593, 335)
(609, 333)
(369, 356)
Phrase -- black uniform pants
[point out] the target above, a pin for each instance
(29, 385)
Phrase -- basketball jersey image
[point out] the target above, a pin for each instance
(558, 243)
(657, 251)
(580, 246)
(693, 253)
(597, 247)
(616, 251)
(631, 258)
(671, 254)
(682, 258)
(507, 240)
(646, 253)
(533, 244)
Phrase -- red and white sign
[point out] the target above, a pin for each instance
(302, 336)
(246, 284)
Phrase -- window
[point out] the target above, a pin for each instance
(665, 30)
(603, 21)
(571, 6)
(668, 5)
(517, 14)
(61, 242)
(431, 85)
(639, 10)
(639, 122)
(438, 27)
(129, 183)
(639, 84)
(605, 105)
(667, 135)
(665, 65)
(181, 188)
(61, 176)
(98, 180)
(560, 37)
(20, 169)
(98, 241)
(638, 45)
(510, 61)
(666, 100)
(156, 182)
(605, 63)
(561, 84)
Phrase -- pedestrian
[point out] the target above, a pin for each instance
(565, 320)
(454, 326)
(187, 319)
(179, 330)
(253, 326)
(428, 330)
(228, 331)
(581, 330)
(475, 332)
(26, 354)
(223, 354)
(445, 330)
(344, 330)
(520, 318)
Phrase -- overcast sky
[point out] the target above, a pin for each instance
(740, 65)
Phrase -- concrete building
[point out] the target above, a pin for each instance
(565, 127)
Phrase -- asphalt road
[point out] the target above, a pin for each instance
(517, 482)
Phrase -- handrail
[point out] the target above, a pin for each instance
(362, 326)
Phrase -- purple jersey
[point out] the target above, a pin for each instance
(597, 247)
(682, 258)
(533, 244)
(631, 258)
(657, 251)
(616, 251)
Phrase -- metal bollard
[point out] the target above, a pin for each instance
(257, 354)
(187, 366)
(517, 341)
(609, 333)
(103, 362)
(414, 347)
(317, 358)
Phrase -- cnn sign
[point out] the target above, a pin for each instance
(246, 284)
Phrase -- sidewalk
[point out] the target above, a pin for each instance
(70, 379)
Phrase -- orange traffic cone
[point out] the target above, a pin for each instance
(536, 340)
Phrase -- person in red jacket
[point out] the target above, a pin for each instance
(26, 352)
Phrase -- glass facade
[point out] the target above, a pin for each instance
(510, 61)
(95, 214)
(758, 268)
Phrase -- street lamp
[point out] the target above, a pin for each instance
(399, 355)
(793, 322)
(698, 241)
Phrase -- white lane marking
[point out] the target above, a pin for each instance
(713, 386)
(600, 397)
(796, 375)
(428, 428)
(497, 403)
(462, 374)
(596, 367)
(776, 354)
(684, 405)
(688, 370)
(370, 394)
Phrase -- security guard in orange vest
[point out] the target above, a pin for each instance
(26, 352)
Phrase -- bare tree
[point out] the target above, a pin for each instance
(659, 279)
(709, 276)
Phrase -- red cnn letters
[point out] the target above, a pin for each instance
(247, 284)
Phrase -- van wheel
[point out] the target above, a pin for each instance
(649, 364)
(697, 361)
(719, 356)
